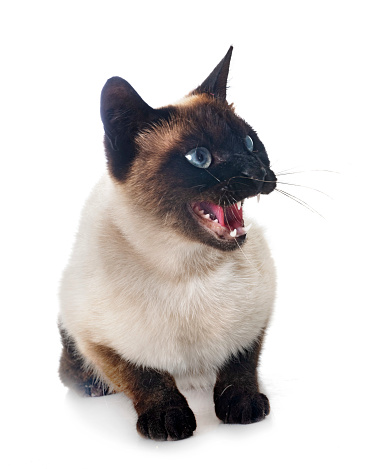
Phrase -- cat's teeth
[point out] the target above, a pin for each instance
(216, 221)
(239, 205)
(201, 212)
(233, 233)
(207, 215)
(258, 198)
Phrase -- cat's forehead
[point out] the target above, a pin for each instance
(194, 100)
(198, 119)
(192, 118)
(211, 115)
(196, 104)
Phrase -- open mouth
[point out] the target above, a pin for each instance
(225, 222)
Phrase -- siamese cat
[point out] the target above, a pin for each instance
(167, 288)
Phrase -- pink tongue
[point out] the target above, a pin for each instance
(230, 217)
(213, 209)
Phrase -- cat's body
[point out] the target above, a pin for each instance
(156, 294)
(173, 304)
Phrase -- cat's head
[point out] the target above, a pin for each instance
(189, 165)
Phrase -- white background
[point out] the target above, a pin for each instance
(298, 75)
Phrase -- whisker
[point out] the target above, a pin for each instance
(228, 195)
(247, 258)
(212, 175)
(242, 183)
(247, 177)
(306, 187)
(287, 172)
(221, 197)
(240, 248)
(285, 183)
(300, 201)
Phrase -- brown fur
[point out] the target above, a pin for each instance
(162, 410)
(162, 180)
(150, 390)
(236, 393)
(73, 372)
(146, 151)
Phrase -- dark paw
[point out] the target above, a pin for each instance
(174, 423)
(233, 406)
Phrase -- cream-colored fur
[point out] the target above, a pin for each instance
(158, 299)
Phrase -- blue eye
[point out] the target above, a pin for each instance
(199, 157)
(249, 143)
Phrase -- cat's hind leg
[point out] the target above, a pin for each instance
(73, 372)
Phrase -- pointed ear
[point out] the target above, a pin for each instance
(122, 109)
(123, 114)
(216, 83)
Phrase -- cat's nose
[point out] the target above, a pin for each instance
(258, 174)
(250, 182)
(270, 182)
(255, 178)
(262, 180)
(245, 184)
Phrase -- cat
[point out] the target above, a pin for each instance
(167, 288)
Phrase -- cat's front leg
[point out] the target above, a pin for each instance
(163, 412)
(236, 393)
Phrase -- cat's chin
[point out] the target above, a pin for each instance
(225, 225)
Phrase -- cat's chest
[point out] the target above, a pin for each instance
(185, 326)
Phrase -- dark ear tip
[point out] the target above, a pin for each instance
(114, 82)
(216, 83)
(228, 56)
(115, 91)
